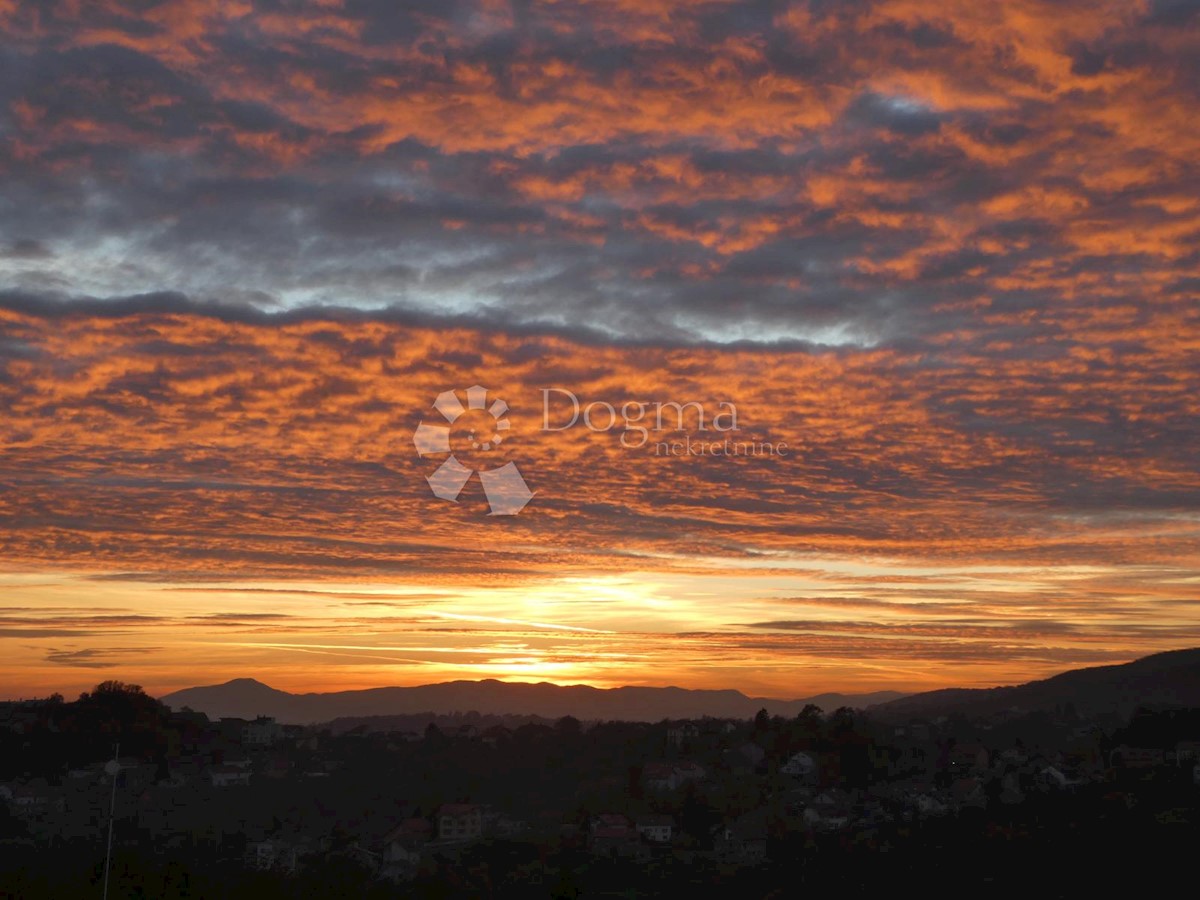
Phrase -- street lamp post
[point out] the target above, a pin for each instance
(114, 769)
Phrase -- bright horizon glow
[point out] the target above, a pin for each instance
(234, 279)
(720, 630)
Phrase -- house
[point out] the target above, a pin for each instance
(1187, 751)
(262, 732)
(278, 767)
(928, 804)
(920, 731)
(681, 733)
(411, 832)
(608, 820)
(968, 793)
(506, 827)
(967, 757)
(459, 822)
(496, 736)
(610, 833)
(874, 814)
(272, 854)
(1014, 756)
(660, 776)
(1053, 778)
(1137, 757)
(22, 716)
(752, 754)
(742, 841)
(228, 776)
(232, 727)
(396, 850)
(830, 810)
(32, 798)
(796, 799)
(398, 863)
(811, 817)
(1010, 789)
(408, 835)
(663, 776)
(800, 765)
(128, 769)
(657, 829)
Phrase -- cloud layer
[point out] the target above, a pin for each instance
(962, 506)
(865, 172)
(952, 260)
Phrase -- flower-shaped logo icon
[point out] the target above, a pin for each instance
(505, 489)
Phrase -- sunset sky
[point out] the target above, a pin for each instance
(948, 254)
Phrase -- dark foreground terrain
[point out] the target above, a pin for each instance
(1058, 801)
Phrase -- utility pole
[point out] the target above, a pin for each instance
(114, 769)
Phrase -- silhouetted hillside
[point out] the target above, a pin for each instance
(247, 698)
(1164, 679)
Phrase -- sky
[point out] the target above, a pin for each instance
(931, 271)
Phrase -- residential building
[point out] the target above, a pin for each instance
(742, 841)
(228, 776)
(681, 733)
(459, 822)
(610, 833)
(263, 731)
(656, 828)
(800, 765)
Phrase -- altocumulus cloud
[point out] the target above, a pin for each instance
(851, 175)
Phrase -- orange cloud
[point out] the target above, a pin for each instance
(948, 260)
(199, 446)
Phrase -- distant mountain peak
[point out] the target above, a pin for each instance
(1167, 678)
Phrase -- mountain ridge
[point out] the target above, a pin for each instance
(248, 697)
(1170, 678)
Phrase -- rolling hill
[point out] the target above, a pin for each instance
(1164, 679)
(246, 698)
